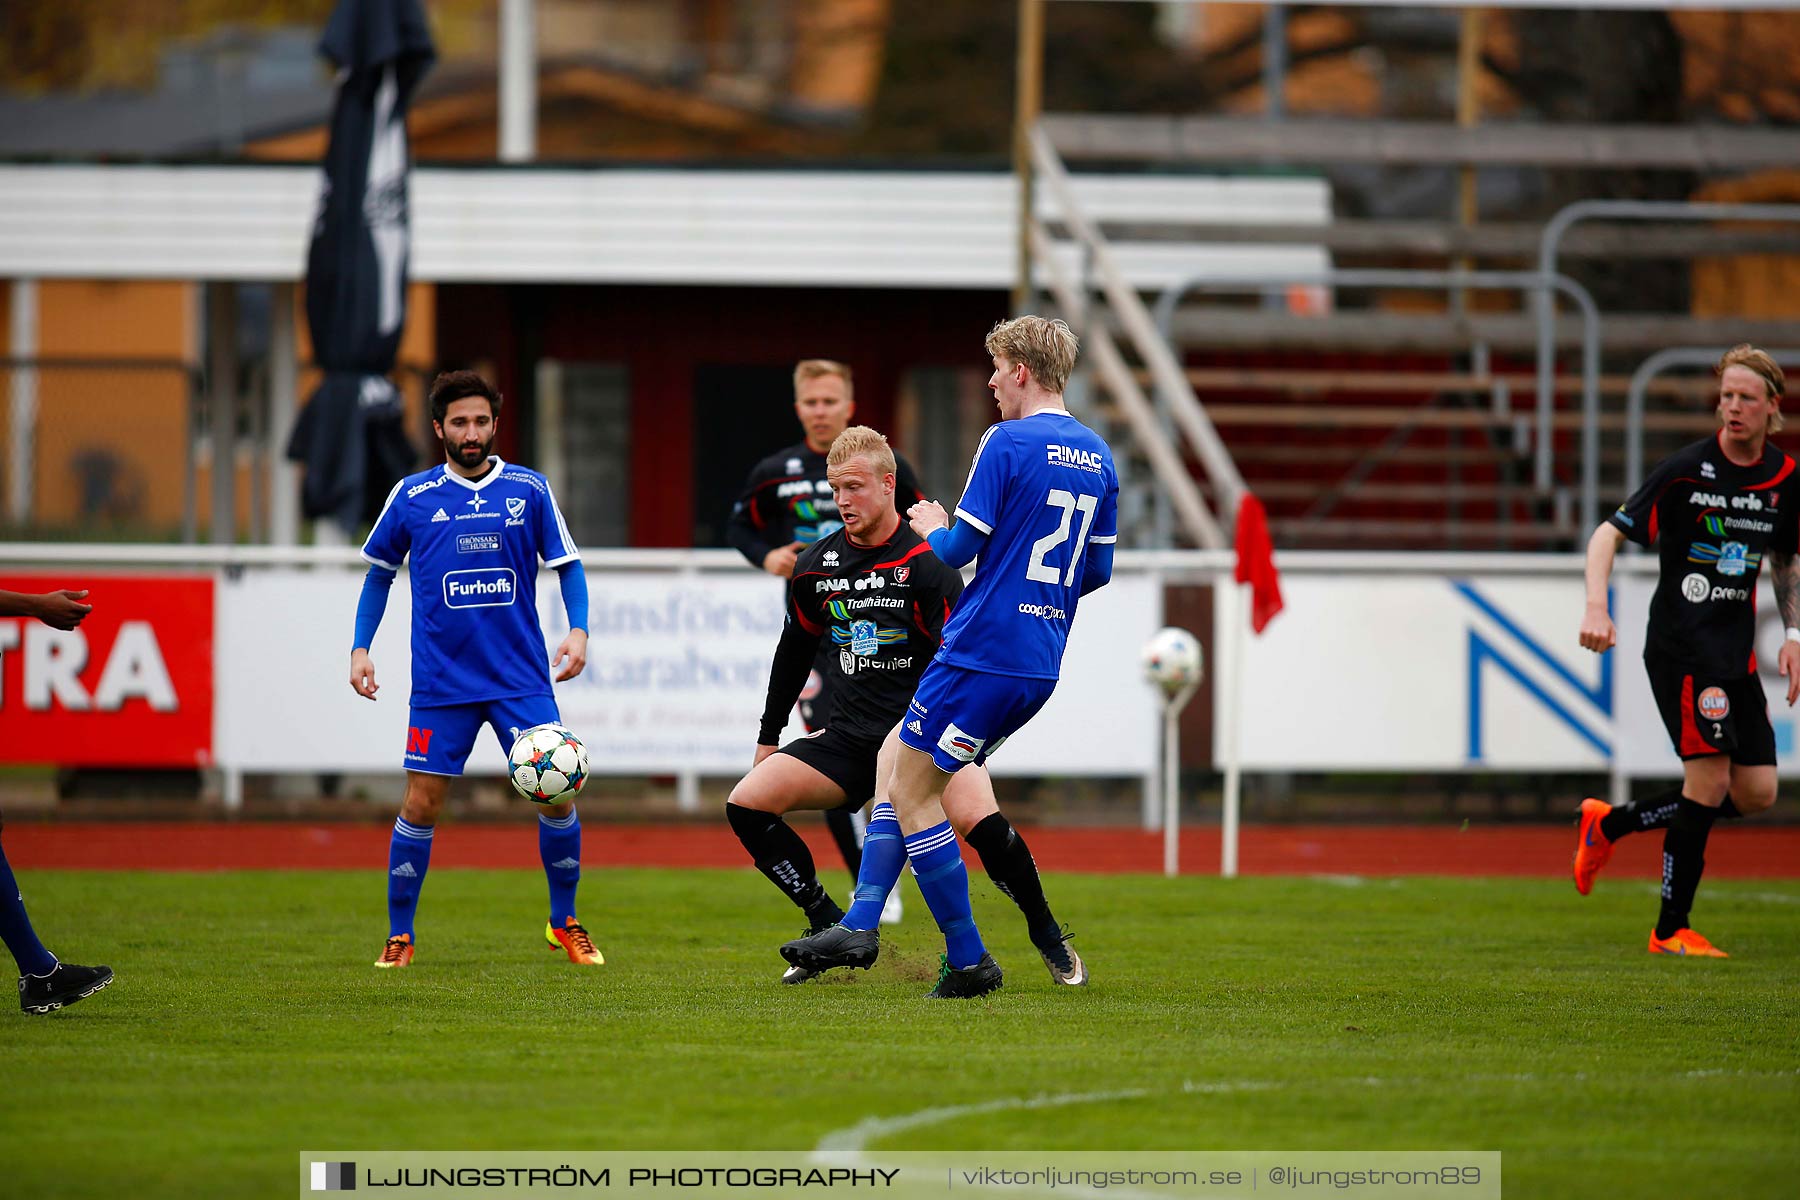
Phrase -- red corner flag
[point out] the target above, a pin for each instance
(1256, 562)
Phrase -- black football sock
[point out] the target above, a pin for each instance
(1684, 859)
(1654, 813)
(782, 856)
(843, 832)
(1009, 864)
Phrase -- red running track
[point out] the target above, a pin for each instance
(1742, 852)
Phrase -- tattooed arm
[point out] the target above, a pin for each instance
(1784, 575)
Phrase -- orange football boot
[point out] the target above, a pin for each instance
(1685, 942)
(573, 940)
(397, 953)
(1592, 847)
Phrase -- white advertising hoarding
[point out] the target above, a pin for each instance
(1434, 672)
(678, 665)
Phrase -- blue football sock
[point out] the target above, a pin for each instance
(883, 856)
(15, 927)
(409, 856)
(944, 882)
(559, 845)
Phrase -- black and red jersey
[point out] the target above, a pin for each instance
(1712, 522)
(875, 615)
(786, 499)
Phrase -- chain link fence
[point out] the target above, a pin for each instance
(120, 450)
(95, 450)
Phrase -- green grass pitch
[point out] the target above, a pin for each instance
(246, 1024)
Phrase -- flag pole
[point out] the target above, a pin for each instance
(1231, 697)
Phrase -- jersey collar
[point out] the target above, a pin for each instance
(475, 485)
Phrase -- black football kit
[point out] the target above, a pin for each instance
(873, 615)
(1712, 522)
(787, 499)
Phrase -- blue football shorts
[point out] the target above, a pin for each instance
(439, 739)
(960, 717)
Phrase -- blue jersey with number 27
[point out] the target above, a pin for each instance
(1043, 488)
(475, 546)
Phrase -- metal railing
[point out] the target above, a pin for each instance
(1649, 369)
(1550, 242)
(1453, 281)
(1184, 407)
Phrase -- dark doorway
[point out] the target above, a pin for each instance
(741, 415)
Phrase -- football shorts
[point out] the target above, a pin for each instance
(844, 758)
(1708, 714)
(439, 739)
(959, 716)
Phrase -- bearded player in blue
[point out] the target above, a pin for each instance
(476, 529)
(1040, 511)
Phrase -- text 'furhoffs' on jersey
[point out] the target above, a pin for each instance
(473, 547)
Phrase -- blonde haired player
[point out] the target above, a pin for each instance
(1715, 510)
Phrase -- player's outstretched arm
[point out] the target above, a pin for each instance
(1097, 567)
(1597, 631)
(743, 529)
(59, 610)
(1784, 575)
(571, 654)
(369, 607)
(926, 517)
(794, 655)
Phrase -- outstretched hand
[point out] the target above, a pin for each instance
(926, 517)
(362, 674)
(63, 609)
(1597, 632)
(572, 654)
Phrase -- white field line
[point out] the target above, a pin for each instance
(850, 1145)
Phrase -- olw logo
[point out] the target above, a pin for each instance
(418, 741)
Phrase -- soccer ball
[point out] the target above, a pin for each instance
(549, 764)
(1172, 659)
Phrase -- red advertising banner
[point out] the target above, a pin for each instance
(131, 686)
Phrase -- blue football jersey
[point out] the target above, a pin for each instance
(1043, 488)
(475, 547)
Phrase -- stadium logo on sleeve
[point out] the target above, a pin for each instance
(477, 543)
(1713, 704)
(484, 587)
(959, 745)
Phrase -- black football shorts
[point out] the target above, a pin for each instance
(844, 758)
(1708, 714)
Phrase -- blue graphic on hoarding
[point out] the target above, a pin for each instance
(1482, 652)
